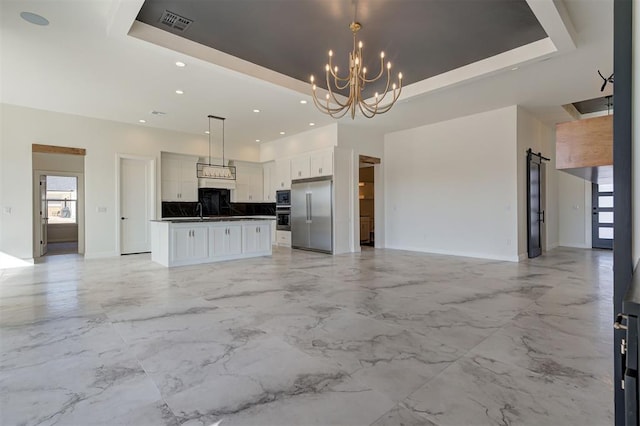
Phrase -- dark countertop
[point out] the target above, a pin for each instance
(631, 300)
(214, 219)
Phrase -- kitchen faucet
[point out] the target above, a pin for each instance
(199, 210)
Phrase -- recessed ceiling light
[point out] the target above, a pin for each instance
(206, 132)
(303, 102)
(312, 124)
(142, 121)
(282, 133)
(514, 68)
(180, 64)
(256, 110)
(179, 92)
(257, 140)
(34, 18)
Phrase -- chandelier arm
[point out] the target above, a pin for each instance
(381, 110)
(379, 74)
(325, 109)
(339, 87)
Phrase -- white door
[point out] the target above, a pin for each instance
(135, 209)
(44, 215)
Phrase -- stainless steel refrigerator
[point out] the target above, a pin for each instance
(311, 214)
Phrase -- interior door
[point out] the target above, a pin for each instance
(535, 213)
(602, 217)
(134, 206)
(44, 215)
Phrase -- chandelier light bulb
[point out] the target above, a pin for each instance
(376, 95)
(312, 78)
(381, 55)
(364, 70)
(335, 69)
(326, 67)
(399, 76)
(360, 45)
(327, 96)
(314, 87)
(393, 86)
(388, 65)
(357, 60)
(331, 53)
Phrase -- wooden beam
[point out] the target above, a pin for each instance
(369, 160)
(51, 149)
(585, 143)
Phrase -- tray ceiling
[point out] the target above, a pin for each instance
(421, 38)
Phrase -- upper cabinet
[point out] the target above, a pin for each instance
(283, 174)
(179, 180)
(249, 183)
(269, 183)
(321, 163)
(300, 167)
(314, 164)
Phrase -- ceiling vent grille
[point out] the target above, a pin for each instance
(175, 21)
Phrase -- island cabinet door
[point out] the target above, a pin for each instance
(264, 237)
(181, 246)
(220, 240)
(235, 239)
(249, 238)
(200, 243)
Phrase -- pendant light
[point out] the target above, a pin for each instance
(215, 171)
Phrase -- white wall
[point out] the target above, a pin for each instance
(532, 133)
(574, 211)
(290, 146)
(357, 141)
(450, 187)
(103, 140)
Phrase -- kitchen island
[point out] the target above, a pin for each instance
(190, 241)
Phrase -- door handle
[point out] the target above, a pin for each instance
(618, 324)
(541, 216)
(123, 218)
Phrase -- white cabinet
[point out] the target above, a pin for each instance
(283, 174)
(314, 164)
(256, 238)
(321, 163)
(300, 167)
(249, 183)
(190, 243)
(269, 182)
(283, 238)
(179, 243)
(227, 240)
(179, 180)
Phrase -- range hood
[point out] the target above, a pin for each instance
(216, 183)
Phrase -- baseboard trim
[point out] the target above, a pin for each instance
(514, 258)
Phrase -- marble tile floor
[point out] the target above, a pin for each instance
(384, 337)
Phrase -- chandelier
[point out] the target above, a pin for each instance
(214, 171)
(356, 81)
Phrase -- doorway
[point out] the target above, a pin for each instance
(602, 216)
(58, 200)
(136, 203)
(366, 199)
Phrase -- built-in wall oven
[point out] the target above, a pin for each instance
(283, 210)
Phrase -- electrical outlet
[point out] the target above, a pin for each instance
(101, 209)
(7, 210)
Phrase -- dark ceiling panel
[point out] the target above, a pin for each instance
(593, 105)
(421, 38)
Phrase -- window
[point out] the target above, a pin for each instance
(62, 199)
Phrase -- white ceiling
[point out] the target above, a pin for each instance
(87, 62)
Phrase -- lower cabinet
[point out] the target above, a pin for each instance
(190, 243)
(176, 244)
(256, 238)
(227, 240)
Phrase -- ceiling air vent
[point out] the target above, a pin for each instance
(175, 21)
